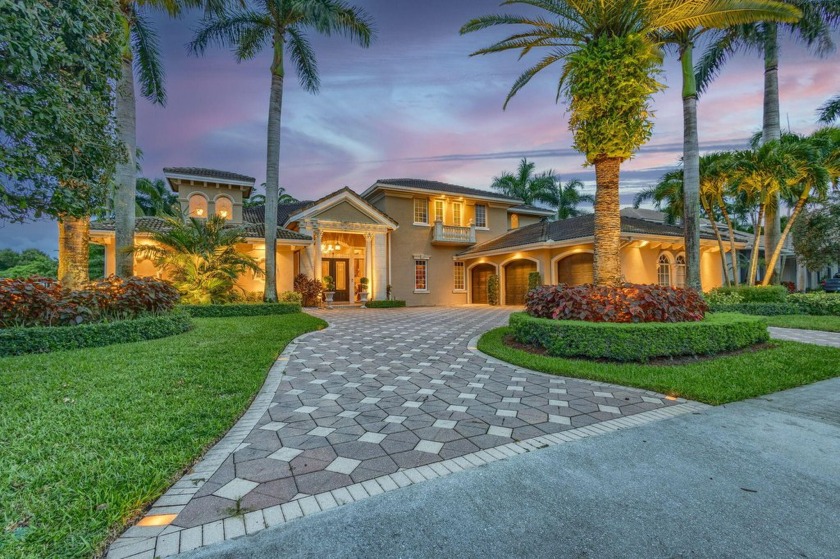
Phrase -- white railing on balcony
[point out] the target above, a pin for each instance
(453, 233)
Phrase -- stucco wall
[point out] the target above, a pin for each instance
(409, 240)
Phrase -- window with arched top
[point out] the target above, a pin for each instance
(224, 207)
(663, 270)
(198, 206)
(679, 269)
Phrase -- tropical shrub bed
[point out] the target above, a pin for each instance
(817, 303)
(638, 342)
(310, 290)
(625, 303)
(385, 304)
(240, 309)
(43, 339)
(43, 302)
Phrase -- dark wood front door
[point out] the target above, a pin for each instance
(480, 275)
(339, 269)
(516, 281)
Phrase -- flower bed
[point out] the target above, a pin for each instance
(43, 302)
(625, 303)
(639, 342)
(43, 339)
(385, 304)
(240, 309)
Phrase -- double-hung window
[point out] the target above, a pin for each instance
(458, 277)
(456, 213)
(439, 210)
(421, 275)
(480, 215)
(421, 211)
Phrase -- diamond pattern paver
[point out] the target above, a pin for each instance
(386, 398)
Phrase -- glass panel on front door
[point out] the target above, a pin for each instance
(338, 268)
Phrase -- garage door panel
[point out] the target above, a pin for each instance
(479, 278)
(516, 281)
(577, 269)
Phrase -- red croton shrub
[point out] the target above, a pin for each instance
(42, 301)
(625, 303)
(310, 289)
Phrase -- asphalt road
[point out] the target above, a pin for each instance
(753, 479)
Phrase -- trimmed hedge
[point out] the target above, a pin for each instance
(43, 339)
(385, 304)
(240, 309)
(757, 293)
(758, 309)
(639, 341)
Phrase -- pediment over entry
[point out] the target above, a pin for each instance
(342, 206)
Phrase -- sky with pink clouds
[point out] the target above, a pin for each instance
(415, 104)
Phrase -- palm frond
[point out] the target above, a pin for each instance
(303, 57)
(146, 50)
(226, 29)
(830, 110)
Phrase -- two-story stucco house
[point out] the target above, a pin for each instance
(433, 243)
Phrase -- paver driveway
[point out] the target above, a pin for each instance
(380, 399)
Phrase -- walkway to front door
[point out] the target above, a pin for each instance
(379, 400)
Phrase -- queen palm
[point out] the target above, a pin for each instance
(280, 24)
(524, 184)
(609, 61)
(666, 195)
(140, 55)
(200, 257)
(715, 186)
(730, 13)
(566, 198)
(814, 29)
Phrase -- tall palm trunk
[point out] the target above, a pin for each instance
(777, 251)
(691, 169)
(771, 128)
(708, 210)
(272, 170)
(733, 253)
(126, 171)
(756, 241)
(607, 259)
(73, 246)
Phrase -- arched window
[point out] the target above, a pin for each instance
(224, 207)
(198, 206)
(680, 271)
(663, 270)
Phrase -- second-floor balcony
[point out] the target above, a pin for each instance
(452, 234)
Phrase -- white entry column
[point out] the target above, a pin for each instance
(380, 265)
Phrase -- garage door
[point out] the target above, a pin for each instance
(479, 276)
(516, 281)
(576, 269)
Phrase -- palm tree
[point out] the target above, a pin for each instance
(201, 258)
(715, 186)
(610, 63)
(666, 195)
(566, 198)
(817, 166)
(524, 185)
(814, 28)
(830, 110)
(154, 198)
(729, 14)
(280, 23)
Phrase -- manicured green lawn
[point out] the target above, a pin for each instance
(88, 438)
(714, 381)
(807, 322)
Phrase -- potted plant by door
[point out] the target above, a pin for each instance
(329, 293)
(363, 291)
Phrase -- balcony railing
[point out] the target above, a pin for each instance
(452, 234)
